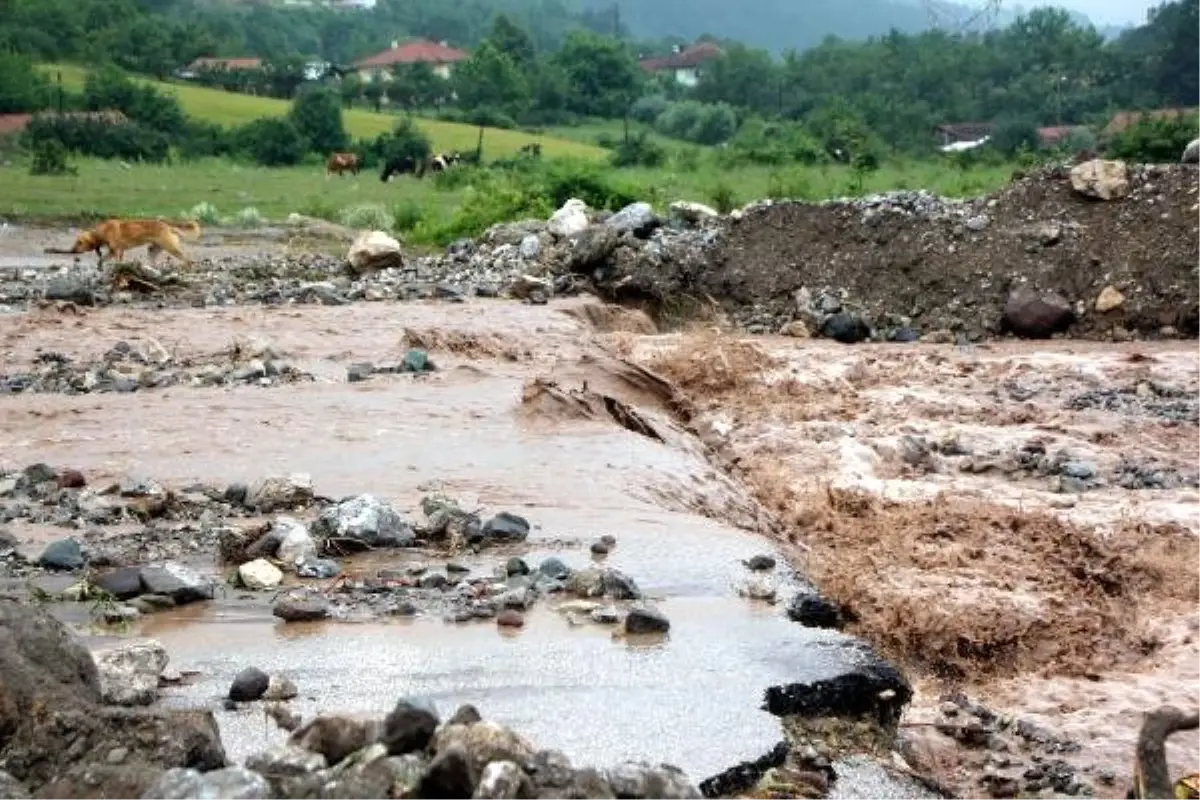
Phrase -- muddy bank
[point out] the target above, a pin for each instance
(1040, 258)
(1017, 524)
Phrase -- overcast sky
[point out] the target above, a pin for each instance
(1108, 12)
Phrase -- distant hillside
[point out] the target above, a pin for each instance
(778, 25)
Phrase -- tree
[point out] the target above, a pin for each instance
(373, 92)
(490, 80)
(317, 115)
(22, 88)
(513, 41)
(272, 142)
(351, 88)
(417, 86)
(603, 79)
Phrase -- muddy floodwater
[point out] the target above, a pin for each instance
(683, 525)
(692, 699)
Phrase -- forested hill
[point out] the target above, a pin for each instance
(275, 29)
(780, 25)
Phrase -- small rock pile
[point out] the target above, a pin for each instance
(125, 368)
(1008, 757)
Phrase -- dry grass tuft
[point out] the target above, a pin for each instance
(464, 344)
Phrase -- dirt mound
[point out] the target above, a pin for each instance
(464, 344)
(910, 260)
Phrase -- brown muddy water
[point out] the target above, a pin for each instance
(823, 415)
(691, 699)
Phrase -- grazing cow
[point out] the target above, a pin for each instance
(339, 163)
(401, 165)
(532, 150)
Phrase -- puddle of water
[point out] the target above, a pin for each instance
(691, 699)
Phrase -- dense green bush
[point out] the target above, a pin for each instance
(97, 135)
(50, 158)
(317, 115)
(22, 88)
(693, 121)
(271, 142)
(1155, 140)
(639, 150)
(647, 109)
(774, 144)
(109, 89)
(405, 140)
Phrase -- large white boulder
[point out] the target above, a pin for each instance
(374, 250)
(569, 220)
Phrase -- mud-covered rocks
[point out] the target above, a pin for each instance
(56, 731)
(637, 219)
(182, 584)
(362, 522)
(129, 673)
(409, 726)
(64, 554)
(280, 493)
(644, 619)
(302, 608)
(1036, 315)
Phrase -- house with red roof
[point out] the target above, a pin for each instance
(684, 64)
(438, 55)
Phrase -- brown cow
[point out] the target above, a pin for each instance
(339, 163)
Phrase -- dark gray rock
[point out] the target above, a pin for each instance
(814, 611)
(592, 247)
(861, 686)
(65, 554)
(124, 583)
(450, 775)
(555, 569)
(619, 586)
(71, 289)
(335, 736)
(364, 520)
(182, 584)
(845, 328)
(642, 619)
(760, 563)
(634, 779)
(741, 778)
(516, 566)
(356, 373)
(301, 609)
(1031, 315)
(249, 685)
(636, 218)
(409, 726)
(466, 714)
(506, 527)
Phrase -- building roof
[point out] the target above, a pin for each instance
(1124, 119)
(14, 123)
(965, 131)
(421, 51)
(225, 63)
(688, 58)
(1056, 133)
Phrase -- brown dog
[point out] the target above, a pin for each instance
(119, 235)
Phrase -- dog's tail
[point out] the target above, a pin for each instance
(189, 227)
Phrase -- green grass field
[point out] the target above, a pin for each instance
(106, 188)
(228, 108)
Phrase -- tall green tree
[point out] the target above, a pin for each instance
(489, 79)
(317, 115)
(603, 78)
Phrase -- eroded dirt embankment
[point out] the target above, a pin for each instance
(1015, 521)
(913, 264)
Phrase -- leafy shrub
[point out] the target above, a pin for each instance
(408, 215)
(249, 217)
(773, 144)
(686, 159)
(103, 136)
(1155, 140)
(367, 216)
(564, 179)
(702, 123)
(204, 212)
(205, 140)
(405, 141)
(722, 197)
(50, 158)
(1013, 134)
(649, 108)
(639, 150)
(272, 142)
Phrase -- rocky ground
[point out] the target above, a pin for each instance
(1012, 524)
